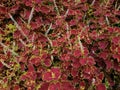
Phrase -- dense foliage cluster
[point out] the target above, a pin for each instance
(59, 45)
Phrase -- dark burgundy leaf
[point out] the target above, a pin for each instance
(100, 87)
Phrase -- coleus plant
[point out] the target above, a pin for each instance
(59, 45)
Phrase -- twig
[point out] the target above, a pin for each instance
(23, 42)
(23, 21)
(68, 35)
(118, 8)
(18, 27)
(84, 17)
(4, 49)
(93, 2)
(31, 15)
(46, 34)
(79, 41)
(3, 45)
(34, 47)
(108, 23)
(56, 7)
(33, 37)
(48, 29)
(66, 13)
(16, 24)
(81, 45)
(49, 41)
(116, 3)
(5, 64)
(107, 2)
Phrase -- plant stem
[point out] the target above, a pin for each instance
(108, 23)
(31, 15)
(56, 7)
(81, 45)
(66, 13)
(23, 42)
(46, 34)
(93, 2)
(18, 27)
(48, 29)
(5, 64)
(3, 45)
(68, 35)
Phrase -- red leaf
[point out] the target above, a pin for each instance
(116, 40)
(37, 9)
(34, 25)
(116, 66)
(3, 10)
(38, 1)
(110, 29)
(23, 77)
(16, 87)
(53, 74)
(38, 21)
(14, 8)
(74, 72)
(65, 57)
(54, 86)
(59, 22)
(90, 61)
(87, 76)
(66, 64)
(88, 70)
(74, 32)
(31, 68)
(83, 61)
(44, 86)
(71, 12)
(103, 55)
(57, 72)
(111, 82)
(26, 14)
(76, 64)
(22, 66)
(46, 59)
(45, 9)
(55, 43)
(93, 35)
(35, 60)
(31, 75)
(47, 62)
(100, 87)
(118, 50)
(47, 76)
(82, 85)
(109, 64)
(67, 86)
(83, 1)
(102, 44)
(77, 53)
(16, 34)
(72, 22)
(28, 3)
(101, 76)
(42, 38)
(35, 52)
